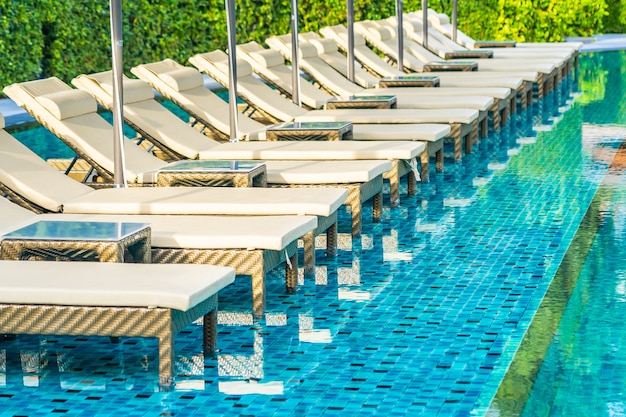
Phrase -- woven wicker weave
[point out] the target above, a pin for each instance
(161, 323)
(253, 262)
(256, 177)
(357, 194)
(134, 247)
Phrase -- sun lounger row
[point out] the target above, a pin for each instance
(219, 231)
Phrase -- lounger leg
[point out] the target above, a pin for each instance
(394, 182)
(377, 206)
(411, 183)
(504, 116)
(354, 200)
(540, 86)
(166, 358)
(439, 160)
(455, 133)
(331, 240)
(209, 331)
(484, 127)
(471, 138)
(308, 242)
(291, 274)
(425, 163)
(495, 116)
(258, 293)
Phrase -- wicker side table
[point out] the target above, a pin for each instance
(495, 44)
(213, 174)
(409, 81)
(463, 66)
(329, 131)
(362, 102)
(77, 240)
(480, 54)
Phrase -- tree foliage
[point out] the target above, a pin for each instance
(64, 38)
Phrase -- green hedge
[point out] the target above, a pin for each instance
(64, 38)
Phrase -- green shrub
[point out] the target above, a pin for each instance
(65, 38)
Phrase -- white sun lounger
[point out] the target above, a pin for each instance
(185, 87)
(252, 89)
(253, 245)
(378, 66)
(447, 49)
(31, 182)
(441, 22)
(315, 52)
(463, 122)
(362, 178)
(112, 299)
(544, 74)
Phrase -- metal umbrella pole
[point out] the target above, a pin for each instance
(119, 168)
(232, 70)
(400, 35)
(350, 52)
(295, 67)
(425, 20)
(455, 11)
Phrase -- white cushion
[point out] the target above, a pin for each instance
(268, 58)
(134, 90)
(325, 172)
(325, 46)
(177, 286)
(307, 50)
(68, 103)
(215, 200)
(182, 79)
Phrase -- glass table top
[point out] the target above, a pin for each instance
(209, 166)
(454, 62)
(367, 98)
(410, 78)
(311, 125)
(76, 230)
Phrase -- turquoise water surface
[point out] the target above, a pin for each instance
(421, 316)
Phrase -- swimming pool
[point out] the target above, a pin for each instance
(421, 316)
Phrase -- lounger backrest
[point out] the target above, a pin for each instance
(72, 116)
(250, 88)
(145, 114)
(415, 32)
(315, 67)
(382, 39)
(368, 58)
(270, 65)
(26, 174)
(330, 54)
(180, 84)
(100, 86)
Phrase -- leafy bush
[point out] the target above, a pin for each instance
(65, 38)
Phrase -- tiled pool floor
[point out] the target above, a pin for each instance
(419, 317)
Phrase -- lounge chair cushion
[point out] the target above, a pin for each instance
(268, 58)
(68, 103)
(307, 50)
(243, 67)
(325, 46)
(176, 286)
(134, 90)
(183, 79)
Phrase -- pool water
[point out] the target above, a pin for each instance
(423, 315)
